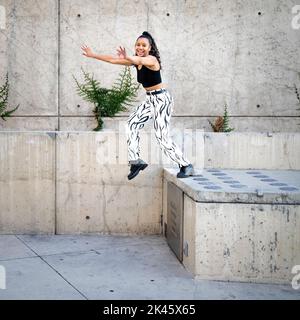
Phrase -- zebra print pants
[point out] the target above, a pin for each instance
(159, 107)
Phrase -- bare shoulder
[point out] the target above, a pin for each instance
(156, 65)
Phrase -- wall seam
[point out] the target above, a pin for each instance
(55, 183)
(58, 65)
(58, 116)
(147, 4)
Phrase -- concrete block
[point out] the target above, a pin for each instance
(233, 234)
(242, 242)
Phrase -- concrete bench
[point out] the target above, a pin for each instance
(234, 225)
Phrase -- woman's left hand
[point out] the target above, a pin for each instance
(122, 53)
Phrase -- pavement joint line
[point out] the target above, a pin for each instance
(19, 258)
(86, 298)
(49, 255)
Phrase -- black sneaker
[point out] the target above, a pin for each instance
(135, 169)
(185, 171)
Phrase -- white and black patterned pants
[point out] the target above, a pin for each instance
(159, 107)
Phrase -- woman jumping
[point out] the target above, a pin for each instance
(158, 104)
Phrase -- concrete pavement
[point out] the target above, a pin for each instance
(111, 267)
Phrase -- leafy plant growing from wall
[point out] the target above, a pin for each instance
(108, 102)
(221, 123)
(4, 100)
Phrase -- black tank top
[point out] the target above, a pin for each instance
(148, 77)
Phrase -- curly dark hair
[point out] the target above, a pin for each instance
(153, 51)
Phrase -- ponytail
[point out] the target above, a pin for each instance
(153, 51)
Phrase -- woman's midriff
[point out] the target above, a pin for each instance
(157, 86)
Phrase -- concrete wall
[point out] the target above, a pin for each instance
(93, 192)
(76, 182)
(243, 52)
(72, 183)
(27, 183)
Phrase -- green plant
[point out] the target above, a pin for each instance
(226, 127)
(221, 123)
(108, 102)
(4, 100)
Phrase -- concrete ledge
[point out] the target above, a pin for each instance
(240, 186)
(87, 122)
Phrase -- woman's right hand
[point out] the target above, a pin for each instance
(87, 51)
(122, 53)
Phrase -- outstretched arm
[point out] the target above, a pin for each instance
(146, 61)
(88, 52)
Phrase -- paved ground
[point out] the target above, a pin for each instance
(111, 267)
